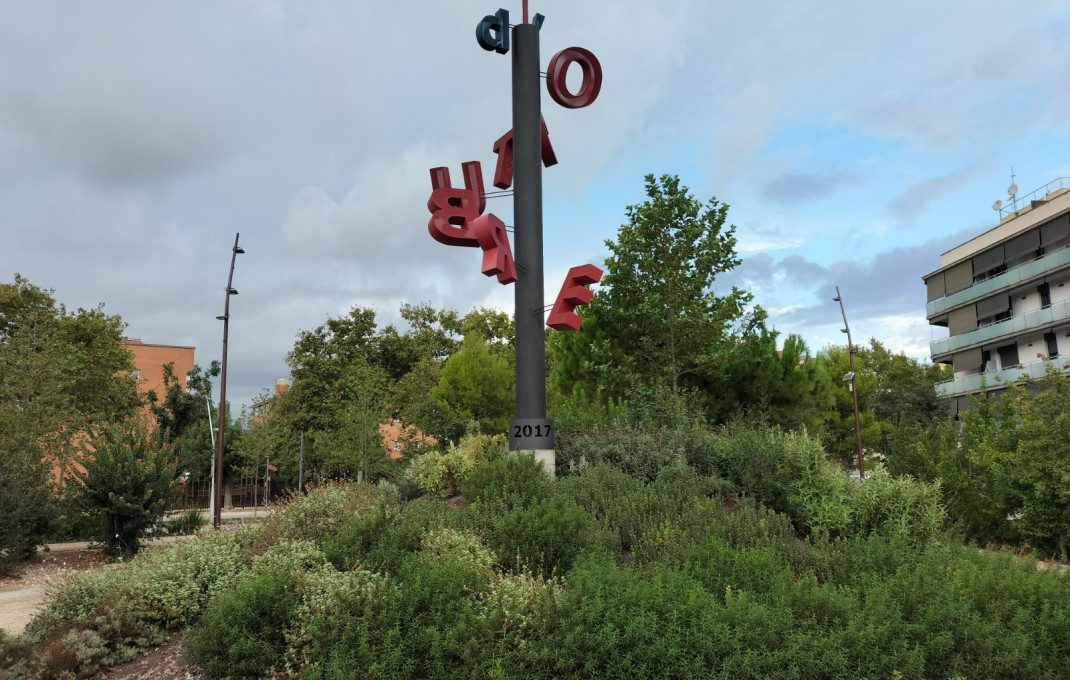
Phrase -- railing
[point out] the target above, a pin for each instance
(1060, 311)
(1036, 195)
(1032, 269)
(972, 383)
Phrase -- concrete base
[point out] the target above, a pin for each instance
(548, 457)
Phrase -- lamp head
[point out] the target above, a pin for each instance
(223, 318)
(238, 250)
(836, 299)
(232, 291)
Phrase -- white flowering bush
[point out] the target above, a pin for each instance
(465, 547)
(513, 599)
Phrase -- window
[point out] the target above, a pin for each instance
(1053, 345)
(1045, 294)
(397, 445)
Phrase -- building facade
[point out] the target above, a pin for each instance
(1004, 297)
(149, 360)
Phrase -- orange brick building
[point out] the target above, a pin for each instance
(149, 360)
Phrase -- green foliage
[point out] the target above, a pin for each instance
(437, 472)
(639, 451)
(127, 480)
(516, 479)
(475, 384)
(61, 372)
(840, 438)
(897, 507)
(321, 513)
(187, 523)
(715, 586)
(548, 536)
(182, 418)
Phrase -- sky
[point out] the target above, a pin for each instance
(854, 143)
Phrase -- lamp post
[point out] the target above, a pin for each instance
(850, 377)
(218, 479)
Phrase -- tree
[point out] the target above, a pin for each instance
(127, 481)
(787, 388)
(840, 439)
(61, 373)
(185, 417)
(904, 393)
(476, 385)
(657, 298)
(655, 328)
(1039, 467)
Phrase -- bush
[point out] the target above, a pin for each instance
(322, 512)
(244, 631)
(546, 537)
(640, 452)
(437, 472)
(187, 523)
(897, 506)
(516, 479)
(168, 586)
(126, 482)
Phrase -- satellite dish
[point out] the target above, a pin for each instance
(1012, 190)
(997, 205)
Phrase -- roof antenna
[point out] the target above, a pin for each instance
(1012, 191)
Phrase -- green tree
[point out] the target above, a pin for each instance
(904, 393)
(475, 385)
(840, 438)
(127, 482)
(657, 298)
(656, 327)
(61, 373)
(1039, 468)
(184, 417)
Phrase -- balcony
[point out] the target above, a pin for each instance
(972, 383)
(1060, 311)
(1033, 269)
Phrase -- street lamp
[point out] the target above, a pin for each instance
(850, 377)
(218, 479)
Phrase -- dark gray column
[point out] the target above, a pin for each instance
(527, 239)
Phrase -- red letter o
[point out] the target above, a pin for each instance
(592, 78)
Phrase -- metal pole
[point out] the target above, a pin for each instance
(527, 215)
(217, 517)
(854, 385)
(301, 467)
(211, 433)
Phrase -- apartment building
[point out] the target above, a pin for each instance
(1004, 297)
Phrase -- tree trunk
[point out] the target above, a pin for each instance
(228, 497)
(1062, 548)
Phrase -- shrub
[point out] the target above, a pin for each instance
(322, 512)
(126, 481)
(897, 506)
(168, 586)
(187, 523)
(640, 452)
(437, 472)
(243, 632)
(516, 479)
(547, 537)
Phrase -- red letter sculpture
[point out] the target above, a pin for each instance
(558, 71)
(454, 210)
(573, 293)
(503, 171)
(497, 255)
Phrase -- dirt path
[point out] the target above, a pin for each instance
(22, 595)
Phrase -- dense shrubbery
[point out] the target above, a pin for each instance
(601, 574)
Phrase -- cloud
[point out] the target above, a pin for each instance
(915, 201)
(803, 188)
